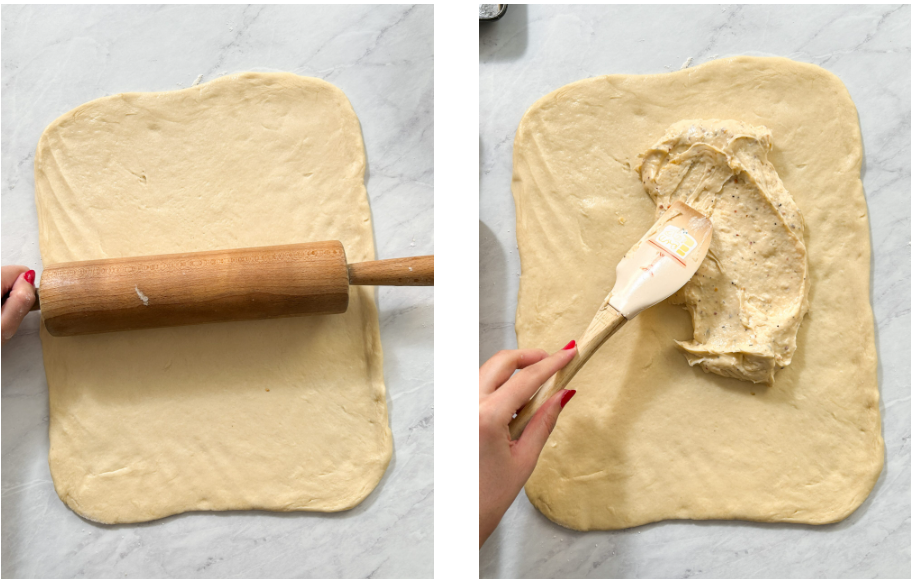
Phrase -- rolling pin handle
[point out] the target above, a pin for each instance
(414, 271)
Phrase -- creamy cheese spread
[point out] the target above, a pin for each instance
(748, 298)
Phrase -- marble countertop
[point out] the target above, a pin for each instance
(56, 58)
(536, 49)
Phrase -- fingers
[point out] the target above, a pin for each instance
(10, 274)
(501, 366)
(520, 388)
(17, 305)
(536, 434)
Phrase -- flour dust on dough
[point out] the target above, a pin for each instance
(286, 414)
(648, 437)
(749, 296)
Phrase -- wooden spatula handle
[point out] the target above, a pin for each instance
(605, 323)
(400, 271)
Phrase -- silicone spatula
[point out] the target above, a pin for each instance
(657, 266)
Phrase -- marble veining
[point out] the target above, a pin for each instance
(57, 57)
(536, 49)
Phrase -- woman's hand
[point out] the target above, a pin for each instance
(18, 297)
(505, 464)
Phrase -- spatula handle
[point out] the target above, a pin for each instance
(605, 323)
(400, 271)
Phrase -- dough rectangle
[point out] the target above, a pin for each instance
(284, 414)
(648, 437)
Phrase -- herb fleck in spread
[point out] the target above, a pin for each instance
(748, 298)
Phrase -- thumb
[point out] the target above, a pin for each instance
(17, 305)
(536, 434)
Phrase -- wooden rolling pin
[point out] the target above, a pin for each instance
(109, 295)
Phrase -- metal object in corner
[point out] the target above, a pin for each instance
(491, 12)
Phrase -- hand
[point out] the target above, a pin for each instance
(504, 464)
(18, 297)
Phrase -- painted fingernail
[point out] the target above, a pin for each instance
(568, 394)
(570, 346)
(29, 276)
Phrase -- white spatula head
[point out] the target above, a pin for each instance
(662, 261)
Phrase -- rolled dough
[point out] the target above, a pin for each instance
(286, 414)
(648, 437)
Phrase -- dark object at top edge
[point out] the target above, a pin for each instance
(498, 16)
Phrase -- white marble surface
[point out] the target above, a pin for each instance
(56, 58)
(536, 49)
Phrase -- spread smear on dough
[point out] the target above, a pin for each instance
(748, 298)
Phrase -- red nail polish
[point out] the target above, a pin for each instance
(570, 346)
(29, 276)
(568, 394)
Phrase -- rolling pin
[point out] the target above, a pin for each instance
(132, 293)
